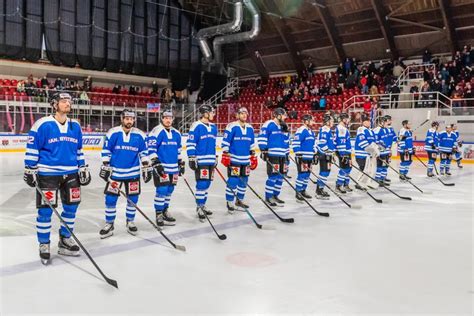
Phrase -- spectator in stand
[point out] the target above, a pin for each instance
(426, 75)
(394, 95)
(363, 84)
(314, 104)
(322, 103)
(287, 81)
(310, 69)
(131, 90)
(426, 57)
(154, 89)
(67, 84)
(444, 87)
(351, 80)
(414, 89)
(20, 86)
(347, 66)
(435, 85)
(367, 105)
(374, 90)
(116, 89)
(444, 73)
(424, 95)
(269, 103)
(58, 84)
(467, 55)
(88, 83)
(44, 82)
(397, 70)
(83, 98)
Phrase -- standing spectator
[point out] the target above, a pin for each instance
(131, 90)
(154, 88)
(426, 75)
(397, 70)
(414, 89)
(58, 84)
(310, 69)
(84, 98)
(67, 84)
(426, 57)
(44, 82)
(88, 83)
(20, 86)
(394, 95)
(116, 89)
(322, 103)
(367, 105)
(363, 83)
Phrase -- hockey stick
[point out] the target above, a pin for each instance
(45, 199)
(259, 226)
(330, 189)
(284, 220)
(437, 176)
(395, 170)
(336, 194)
(424, 122)
(384, 186)
(368, 193)
(294, 189)
(221, 237)
(178, 247)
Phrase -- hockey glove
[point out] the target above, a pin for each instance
(181, 166)
(264, 155)
(158, 167)
(315, 159)
(225, 159)
(192, 163)
(30, 176)
(253, 162)
(105, 172)
(298, 158)
(146, 173)
(345, 159)
(84, 175)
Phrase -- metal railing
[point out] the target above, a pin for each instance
(414, 73)
(191, 114)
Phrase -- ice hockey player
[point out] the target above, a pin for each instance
(164, 151)
(274, 144)
(447, 145)
(457, 150)
(54, 162)
(123, 152)
(366, 150)
(325, 147)
(238, 146)
(303, 147)
(405, 149)
(201, 150)
(343, 153)
(394, 136)
(431, 147)
(384, 139)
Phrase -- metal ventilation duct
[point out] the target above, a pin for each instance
(230, 27)
(239, 37)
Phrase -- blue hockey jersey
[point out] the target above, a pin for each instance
(166, 146)
(393, 135)
(124, 152)
(405, 140)
(364, 138)
(238, 141)
(458, 139)
(447, 141)
(272, 138)
(325, 143)
(383, 138)
(56, 149)
(303, 142)
(431, 140)
(202, 143)
(343, 140)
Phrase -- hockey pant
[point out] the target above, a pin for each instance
(237, 186)
(69, 187)
(324, 169)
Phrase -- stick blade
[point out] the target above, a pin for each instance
(222, 237)
(323, 214)
(287, 220)
(112, 282)
(181, 248)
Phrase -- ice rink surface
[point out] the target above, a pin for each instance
(399, 257)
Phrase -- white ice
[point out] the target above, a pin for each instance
(396, 257)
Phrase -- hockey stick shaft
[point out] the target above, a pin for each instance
(221, 237)
(235, 195)
(294, 189)
(395, 170)
(285, 220)
(45, 199)
(330, 189)
(436, 169)
(179, 247)
(354, 180)
(383, 186)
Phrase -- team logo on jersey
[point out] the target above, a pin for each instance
(134, 187)
(74, 195)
